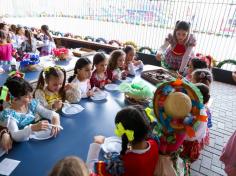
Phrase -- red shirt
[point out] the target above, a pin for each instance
(94, 80)
(179, 50)
(6, 52)
(141, 164)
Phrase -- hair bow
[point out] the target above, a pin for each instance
(120, 130)
(17, 74)
(150, 115)
(4, 93)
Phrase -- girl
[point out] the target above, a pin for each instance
(30, 42)
(20, 37)
(138, 154)
(131, 64)
(202, 76)
(50, 90)
(181, 44)
(228, 156)
(80, 81)
(116, 65)
(5, 51)
(18, 118)
(194, 64)
(70, 166)
(48, 41)
(99, 76)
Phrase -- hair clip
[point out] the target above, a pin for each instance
(120, 130)
(202, 75)
(17, 74)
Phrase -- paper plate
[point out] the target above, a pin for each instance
(112, 144)
(71, 109)
(99, 95)
(42, 135)
(2, 152)
(111, 87)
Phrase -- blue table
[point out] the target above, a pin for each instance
(45, 62)
(38, 157)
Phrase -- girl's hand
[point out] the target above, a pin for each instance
(42, 125)
(158, 57)
(55, 121)
(90, 93)
(99, 139)
(57, 105)
(6, 142)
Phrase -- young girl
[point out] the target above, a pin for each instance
(202, 76)
(116, 65)
(18, 118)
(70, 166)
(228, 156)
(30, 42)
(5, 51)
(99, 76)
(138, 154)
(50, 90)
(48, 41)
(195, 64)
(176, 57)
(80, 81)
(131, 64)
(20, 37)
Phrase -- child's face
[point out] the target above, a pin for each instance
(55, 83)
(120, 61)
(130, 55)
(193, 80)
(22, 31)
(181, 35)
(85, 72)
(24, 99)
(102, 66)
(190, 68)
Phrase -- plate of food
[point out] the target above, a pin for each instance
(112, 144)
(99, 95)
(71, 109)
(42, 135)
(111, 87)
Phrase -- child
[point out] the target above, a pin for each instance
(50, 90)
(48, 41)
(131, 64)
(5, 52)
(194, 64)
(202, 76)
(116, 65)
(228, 156)
(80, 81)
(20, 37)
(70, 166)
(18, 118)
(99, 76)
(30, 42)
(176, 57)
(138, 154)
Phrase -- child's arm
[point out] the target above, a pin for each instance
(185, 59)
(163, 48)
(5, 138)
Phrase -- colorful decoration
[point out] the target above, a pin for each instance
(16, 74)
(136, 93)
(4, 96)
(206, 58)
(178, 106)
(131, 43)
(120, 130)
(29, 62)
(60, 53)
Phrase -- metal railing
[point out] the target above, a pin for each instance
(145, 22)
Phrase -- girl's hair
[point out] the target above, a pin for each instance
(13, 28)
(45, 29)
(198, 64)
(29, 35)
(205, 92)
(70, 166)
(113, 59)
(128, 48)
(133, 118)
(2, 25)
(181, 25)
(18, 87)
(45, 76)
(202, 76)
(18, 29)
(81, 63)
(99, 57)
(3, 36)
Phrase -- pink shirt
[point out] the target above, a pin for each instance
(6, 52)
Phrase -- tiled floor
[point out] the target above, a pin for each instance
(224, 124)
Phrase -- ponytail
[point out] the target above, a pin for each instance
(125, 143)
(41, 82)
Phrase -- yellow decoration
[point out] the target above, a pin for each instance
(149, 114)
(120, 130)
